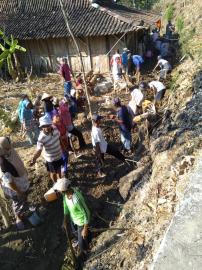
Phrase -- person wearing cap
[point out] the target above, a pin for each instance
(137, 61)
(75, 211)
(49, 142)
(48, 104)
(158, 88)
(164, 66)
(125, 124)
(101, 146)
(26, 116)
(66, 72)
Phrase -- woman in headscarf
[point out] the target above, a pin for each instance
(13, 179)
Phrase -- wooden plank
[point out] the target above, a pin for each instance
(89, 53)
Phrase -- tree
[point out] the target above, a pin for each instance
(9, 56)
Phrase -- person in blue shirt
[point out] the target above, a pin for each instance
(29, 124)
(125, 60)
(137, 61)
(125, 124)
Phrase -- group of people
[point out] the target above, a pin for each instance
(127, 64)
(48, 123)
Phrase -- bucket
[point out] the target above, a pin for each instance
(34, 219)
(50, 195)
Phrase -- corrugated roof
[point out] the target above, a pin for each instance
(29, 19)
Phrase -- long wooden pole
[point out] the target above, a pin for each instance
(65, 15)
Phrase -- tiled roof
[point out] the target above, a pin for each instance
(28, 19)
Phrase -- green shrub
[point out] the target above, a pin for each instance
(179, 25)
(169, 13)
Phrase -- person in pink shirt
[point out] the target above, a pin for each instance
(67, 121)
(66, 72)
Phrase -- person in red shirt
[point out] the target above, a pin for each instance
(57, 123)
(66, 72)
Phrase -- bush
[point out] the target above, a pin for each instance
(179, 25)
(169, 13)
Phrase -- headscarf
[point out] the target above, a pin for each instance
(8, 152)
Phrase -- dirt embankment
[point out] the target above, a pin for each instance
(152, 191)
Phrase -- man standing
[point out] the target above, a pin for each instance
(170, 29)
(29, 124)
(101, 146)
(125, 124)
(49, 141)
(76, 212)
(66, 72)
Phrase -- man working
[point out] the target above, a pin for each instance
(124, 57)
(101, 146)
(125, 125)
(137, 61)
(76, 211)
(66, 72)
(49, 141)
(159, 89)
(164, 66)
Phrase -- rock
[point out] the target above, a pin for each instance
(127, 182)
(102, 88)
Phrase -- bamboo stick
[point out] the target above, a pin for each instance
(65, 15)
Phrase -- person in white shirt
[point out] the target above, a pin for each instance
(164, 66)
(101, 146)
(137, 98)
(49, 142)
(159, 89)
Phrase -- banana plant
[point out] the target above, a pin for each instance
(8, 54)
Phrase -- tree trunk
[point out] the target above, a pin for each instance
(65, 15)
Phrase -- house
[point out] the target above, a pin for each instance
(97, 25)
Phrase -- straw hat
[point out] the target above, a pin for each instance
(62, 184)
(45, 95)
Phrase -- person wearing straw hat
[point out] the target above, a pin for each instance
(49, 142)
(75, 211)
(48, 104)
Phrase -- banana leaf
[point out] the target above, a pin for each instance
(13, 46)
(20, 48)
(2, 47)
(4, 55)
(1, 63)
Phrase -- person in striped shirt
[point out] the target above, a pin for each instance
(75, 211)
(49, 142)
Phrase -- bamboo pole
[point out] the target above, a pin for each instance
(65, 15)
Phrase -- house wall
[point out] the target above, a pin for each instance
(42, 53)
